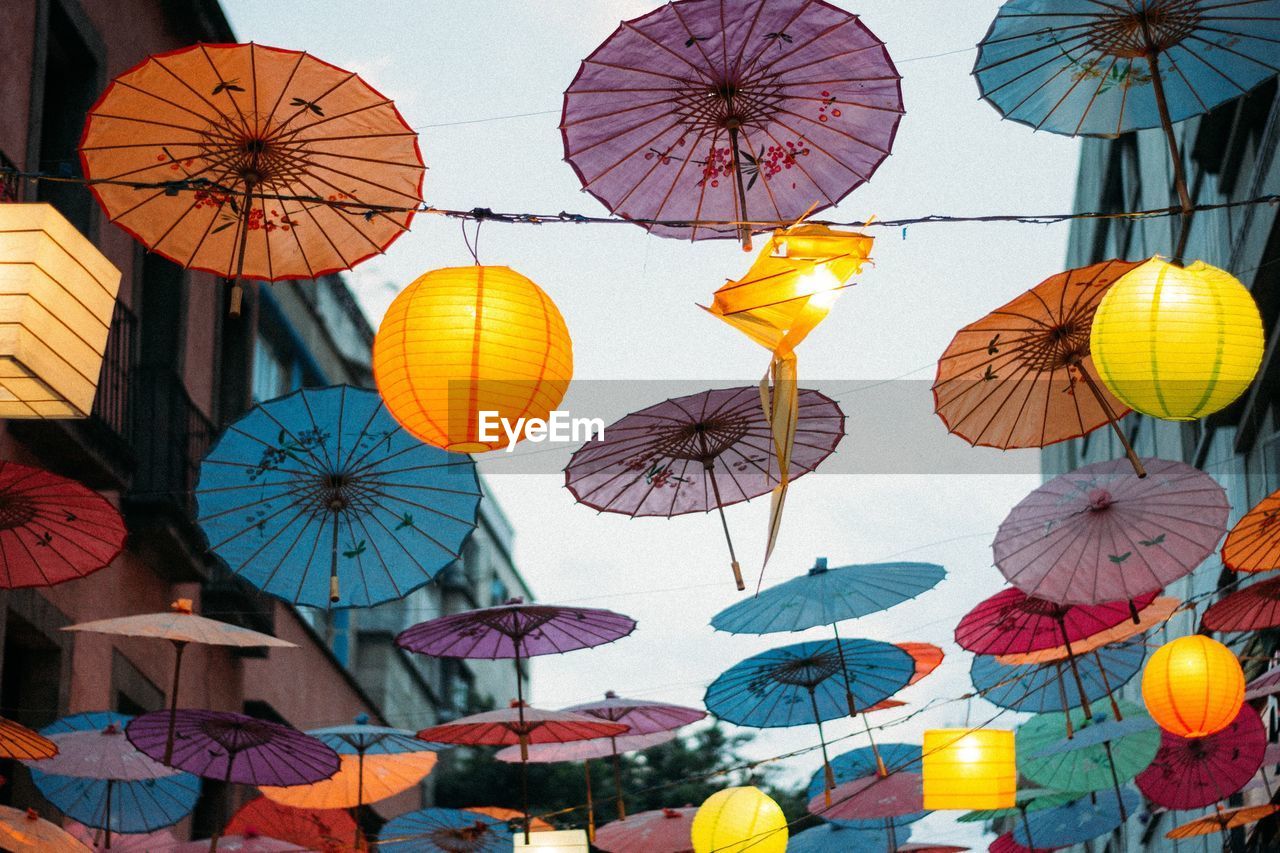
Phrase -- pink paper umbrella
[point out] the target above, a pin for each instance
(1189, 773)
(521, 725)
(698, 453)
(1012, 622)
(872, 797)
(1263, 686)
(657, 831)
(585, 751)
(641, 717)
(731, 110)
(1100, 533)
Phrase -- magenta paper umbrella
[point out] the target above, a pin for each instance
(657, 831)
(731, 111)
(1006, 844)
(1100, 533)
(1189, 773)
(698, 453)
(585, 751)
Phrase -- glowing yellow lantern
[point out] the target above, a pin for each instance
(1193, 686)
(969, 769)
(467, 356)
(57, 294)
(555, 841)
(1177, 343)
(736, 820)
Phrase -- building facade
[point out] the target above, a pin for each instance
(1230, 156)
(177, 370)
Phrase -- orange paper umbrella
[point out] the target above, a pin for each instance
(1022, 376)
(312, 829)
(18, 741)
(27, 832)
(1253, 545)
(277, 165)
(536, 824)
(382, 776)
(1222, 820)
(1149, 617)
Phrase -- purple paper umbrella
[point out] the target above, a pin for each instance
(697, 453)
(731, 111)
(234, 748)
(1100, 533)
(643, 717)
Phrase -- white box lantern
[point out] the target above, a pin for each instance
(555, 841)
(57, 294)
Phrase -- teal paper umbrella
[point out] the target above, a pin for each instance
(1106, 751)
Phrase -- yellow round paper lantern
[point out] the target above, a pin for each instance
(1193, 686)
(464, 353)
(1177, 343)
(736, 820)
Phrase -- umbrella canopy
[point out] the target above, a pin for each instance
(1077, 822)
(239, 844)
(1079, 67)
(731, 110)
(508, 726)
(53, 529)
(1028, 800)
(234, 748)
(21, 743)
(1253, 544)
(657, 831)
(1100, 533)
(861, 764)
(515, 630)
(1189, 773)
(282, 165)
(156, 800)
(312, 829)
(838, 838)
(445, 831)
(105, 754)
(320, 498)
(872, 798)
(1264, 685)
(134, 842)
(1022, 376)
(1012, 621)
(537, 824)
(1254, 608)
(26, 832)
(825, 596)
(1222, 820)
(585, 750)
(357, 782)
(1105, 751)
(641, 716)
(1006, 844)
(1149, 617)
(362, 738)
(697, 453)
(1042, 688)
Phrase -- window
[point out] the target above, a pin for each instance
(498, 592)
(271, 374)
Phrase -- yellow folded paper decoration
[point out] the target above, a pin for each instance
(787, 292)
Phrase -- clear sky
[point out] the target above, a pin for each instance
(905, 487)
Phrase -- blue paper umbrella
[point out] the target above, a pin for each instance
(1100, 68)
(838, 838)
(320, 498)
(807, 683)
(361, 738)
(1052, 687)
(826, 596)
(1076, 823)
(445, 831)
(138, 806)
(867, 761)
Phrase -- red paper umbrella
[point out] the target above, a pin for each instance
(1189, 773)
(1250, 609)
(1006, 844)
(52, 529)
(313, 829)
(930, 847)
(658, 831)
(1100, 533)
(698, 453)
(872, 797)
(731, 110)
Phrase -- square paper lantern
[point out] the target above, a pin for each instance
(57, 294)
(969, 769)
(555, 841)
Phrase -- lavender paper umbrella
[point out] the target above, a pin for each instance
(698, 453)
(731, 110)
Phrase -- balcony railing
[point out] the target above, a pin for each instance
(169, 436)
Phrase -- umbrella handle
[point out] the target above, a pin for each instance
(1115, 424)
(709, 465)
(237, 292)
(744, 230)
